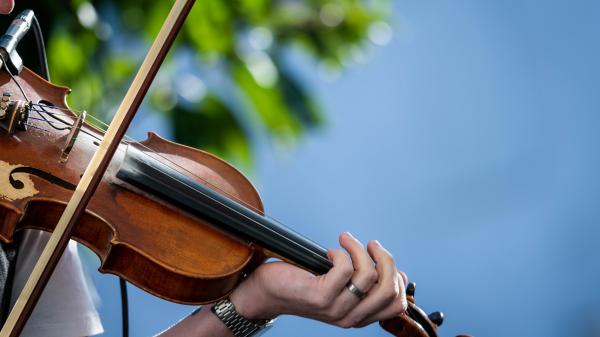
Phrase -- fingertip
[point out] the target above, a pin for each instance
(345, 236)
(334, 254)
(6, 6)
(373, 244)
(331, 253)
(379, 253)
(404, 277)
(345, 239)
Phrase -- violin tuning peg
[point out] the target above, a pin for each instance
(437, 318)
(410, 289)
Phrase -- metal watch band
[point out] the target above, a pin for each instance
(238, 325)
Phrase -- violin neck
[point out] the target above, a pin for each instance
(165, 182)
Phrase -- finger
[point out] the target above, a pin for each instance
(332, 283)
(364, 277)
(394, 309)
(6, 6)
(404, 277)
(382, 294)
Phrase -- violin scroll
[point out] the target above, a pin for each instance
(414, 322)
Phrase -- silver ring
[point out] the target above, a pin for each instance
(354, 289)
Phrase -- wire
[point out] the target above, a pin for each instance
(41, 49)
(124, 307)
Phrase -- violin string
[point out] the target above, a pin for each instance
(171, 163)
(57, 108)
(40, 108)
(37, 127)
(229, 195)
(68, 125)
(151, 151)
(56, 117)
(51, 123)
(233, 197)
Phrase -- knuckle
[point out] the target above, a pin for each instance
(372, 276)
(334, 314)
(336, 254)
(403, 305)
(348, 323)
(344, 325)
(347, 270)
(361, 325)
(390, 293)
(319, 302)
(399, 307)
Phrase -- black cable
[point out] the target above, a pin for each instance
(124, 307)
(41, 49)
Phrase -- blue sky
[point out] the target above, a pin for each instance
(469, 147)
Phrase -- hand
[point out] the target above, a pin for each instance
(6, 6)
(280, 288)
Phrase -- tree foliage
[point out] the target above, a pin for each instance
(228, 77)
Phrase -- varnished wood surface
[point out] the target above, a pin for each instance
(148, 242)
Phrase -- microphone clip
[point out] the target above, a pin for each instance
(9, 41)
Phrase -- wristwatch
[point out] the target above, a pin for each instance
(236, 323)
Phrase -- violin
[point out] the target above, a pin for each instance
(175, 221)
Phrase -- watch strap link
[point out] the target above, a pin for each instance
(238, 325)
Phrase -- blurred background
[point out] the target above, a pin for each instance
(461, 134)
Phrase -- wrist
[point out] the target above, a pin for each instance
(251, 302)
(200, 323)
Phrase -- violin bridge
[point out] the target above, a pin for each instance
(72, 137)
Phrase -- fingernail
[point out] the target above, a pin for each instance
(377, 243)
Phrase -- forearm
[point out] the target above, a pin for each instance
(200, 324)
(205, 323)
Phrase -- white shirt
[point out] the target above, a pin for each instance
(65, 308)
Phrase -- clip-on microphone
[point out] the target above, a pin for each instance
(9, 41)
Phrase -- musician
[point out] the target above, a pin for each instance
(363, 286)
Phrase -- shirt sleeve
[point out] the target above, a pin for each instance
(65, 308)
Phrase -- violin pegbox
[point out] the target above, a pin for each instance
(414, 322)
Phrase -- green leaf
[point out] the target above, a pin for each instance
(268, 103)
(214, 128)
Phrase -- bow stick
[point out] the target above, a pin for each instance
(95, 170)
